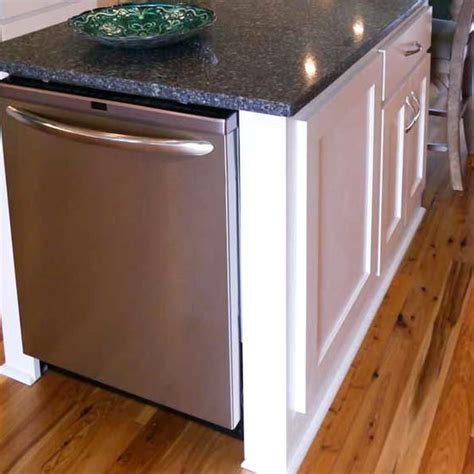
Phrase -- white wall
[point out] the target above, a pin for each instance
(18, 17)
(13, 8)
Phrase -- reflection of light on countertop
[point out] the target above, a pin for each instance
(310, 67)
(358, 29)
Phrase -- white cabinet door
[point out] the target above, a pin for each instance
(392, 223)
(340, 150)
(415, 140)
(403, 160)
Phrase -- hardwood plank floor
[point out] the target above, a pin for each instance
(66, 425)
(406, 406)
(450, 446)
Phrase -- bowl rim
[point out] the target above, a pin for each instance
(141, 38)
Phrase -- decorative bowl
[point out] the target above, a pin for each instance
(142, 25)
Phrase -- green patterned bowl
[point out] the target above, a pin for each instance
(142, 25)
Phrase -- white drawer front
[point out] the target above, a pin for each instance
(405, 51)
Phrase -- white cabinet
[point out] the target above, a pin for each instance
(358, 174)
(21, 17)
(337, 177)
(356, 168)
(403, 159)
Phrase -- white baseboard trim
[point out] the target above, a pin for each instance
(18, 375)
(248, 466)
(252, 468)
(370, 312)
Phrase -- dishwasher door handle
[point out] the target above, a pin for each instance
(165, 145)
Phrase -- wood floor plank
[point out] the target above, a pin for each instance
(151, 444)
(87, 439)
(452, 433)
(2, 357)
(449, 448)
(201, 451)
(9, 388)
(403, 448)
(468, 467)
(31, 413)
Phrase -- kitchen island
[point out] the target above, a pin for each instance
(332, 100)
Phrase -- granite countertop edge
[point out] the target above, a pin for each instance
(154, 89)
(146, 89)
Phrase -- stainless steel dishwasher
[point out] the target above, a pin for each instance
(124, 225)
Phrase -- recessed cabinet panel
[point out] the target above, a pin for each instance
(338, 146)
(415, 148)
(393, 212)
(345, 216)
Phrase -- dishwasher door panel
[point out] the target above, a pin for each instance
(122, 261)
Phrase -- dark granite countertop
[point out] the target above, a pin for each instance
(269, 56)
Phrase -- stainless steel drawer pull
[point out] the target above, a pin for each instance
(165, 145)
(417, 102)
(416, 112)
(418, 47)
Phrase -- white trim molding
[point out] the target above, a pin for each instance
(263, 270)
